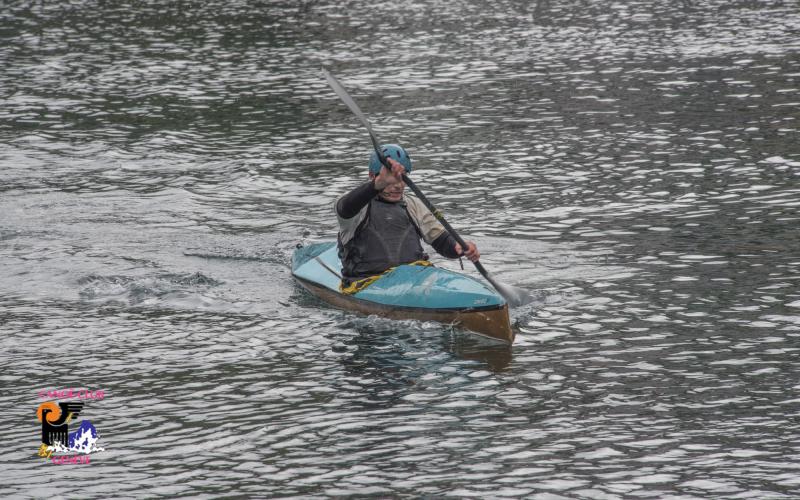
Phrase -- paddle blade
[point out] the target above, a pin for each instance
(351, 104)
(514, 296)
(347, 100)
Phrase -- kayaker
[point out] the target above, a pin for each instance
(380, 227)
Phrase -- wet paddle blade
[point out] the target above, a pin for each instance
(514, 296)
(350, 103)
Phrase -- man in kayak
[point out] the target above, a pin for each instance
(380, 227)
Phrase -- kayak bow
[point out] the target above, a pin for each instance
(425, 293)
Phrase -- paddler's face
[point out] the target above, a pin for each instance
(393, 192)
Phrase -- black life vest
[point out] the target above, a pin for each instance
(387, 237)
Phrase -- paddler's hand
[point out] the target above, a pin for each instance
(472, 252)
(389, 177)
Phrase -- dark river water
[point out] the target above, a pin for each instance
(633, 164)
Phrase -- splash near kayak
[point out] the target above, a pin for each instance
(426, 293)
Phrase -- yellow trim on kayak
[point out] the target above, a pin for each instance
(356, 286)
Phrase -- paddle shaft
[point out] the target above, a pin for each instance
(436, 213)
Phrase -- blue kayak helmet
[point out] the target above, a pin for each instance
(393, 151)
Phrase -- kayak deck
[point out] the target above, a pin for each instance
(407, 292)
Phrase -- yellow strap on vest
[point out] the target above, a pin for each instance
(358, 285)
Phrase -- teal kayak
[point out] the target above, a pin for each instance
(425, 293)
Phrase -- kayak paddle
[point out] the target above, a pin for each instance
(513, 295)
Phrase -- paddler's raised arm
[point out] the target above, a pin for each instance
(350, 204)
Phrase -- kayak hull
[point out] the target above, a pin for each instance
(409, 292)
(492, 322)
